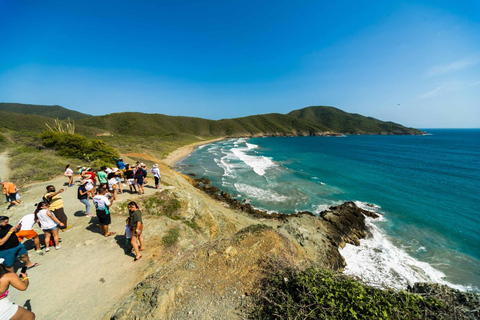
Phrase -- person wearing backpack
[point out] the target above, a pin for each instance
(56, 205)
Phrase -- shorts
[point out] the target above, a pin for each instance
(157, 180)
(11, 254)
(7, 308)
(29, 234)
(12, 197)
(131, 182)
(51, 229)
(104, 217)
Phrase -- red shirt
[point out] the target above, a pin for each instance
(92, 176)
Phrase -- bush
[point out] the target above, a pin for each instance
(322, 294)
(29, 164)
(78, 146)
(171, 238)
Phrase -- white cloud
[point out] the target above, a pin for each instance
(453, 86)
(452, 67)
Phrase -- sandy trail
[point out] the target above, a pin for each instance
(89, 272)
(3, 166)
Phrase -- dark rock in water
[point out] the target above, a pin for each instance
(191, 174)
(335, 227)
(347, 223)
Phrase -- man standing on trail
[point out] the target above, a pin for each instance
(10, 247)
(102, 204)
(156, 175)
(56, 205)
(10, 190)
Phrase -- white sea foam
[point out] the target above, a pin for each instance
(259, 193)
(251, 146)
(380, 263)
(258, 163)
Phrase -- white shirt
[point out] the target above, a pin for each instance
(112, 182)
(68, 172)
(156, 172)
(108, 170)
(27, 222)
(101, 202)
(45, 221)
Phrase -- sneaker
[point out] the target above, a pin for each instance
(57, 247)
(89, 215)
(47, 249)
(38, 251)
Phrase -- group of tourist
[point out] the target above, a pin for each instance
(50, 216)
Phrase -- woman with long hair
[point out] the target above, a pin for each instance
(49, 224)
(69, 174)
(135, 223)
(9, 310)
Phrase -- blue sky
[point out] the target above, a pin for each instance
(412, 62)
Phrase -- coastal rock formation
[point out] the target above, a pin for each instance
(213, 281)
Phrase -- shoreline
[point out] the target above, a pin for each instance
(178, 154)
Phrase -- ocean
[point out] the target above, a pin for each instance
(426, 189)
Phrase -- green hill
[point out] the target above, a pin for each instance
(349, 123)
(33, 124)
(308, 121)
(55, 112)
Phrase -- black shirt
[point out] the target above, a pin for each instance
(12, 242)
(83, 189)
(129, 174)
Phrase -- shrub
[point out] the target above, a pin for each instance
(78, 146)
(171, 238)
(322, 294)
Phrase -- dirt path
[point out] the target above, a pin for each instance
(4, 166)
(89, 272)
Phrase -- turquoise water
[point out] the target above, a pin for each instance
(426, 187)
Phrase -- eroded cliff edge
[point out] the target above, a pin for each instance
(217, 265)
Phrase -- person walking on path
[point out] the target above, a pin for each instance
(26, 230)
(56, 205)
(9, 310)
(69, 173)
(156, 175)
(10, 247)
(136, 226)
(139, 180)
(82, 195)
(49, 224)
(102, 204)
(130, 176)
(11, 192)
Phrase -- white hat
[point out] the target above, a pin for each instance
(155, 165)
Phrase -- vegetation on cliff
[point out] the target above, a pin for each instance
(323, 294)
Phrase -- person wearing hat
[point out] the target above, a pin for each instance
(9, 310)
(82, 195)
(156, 174)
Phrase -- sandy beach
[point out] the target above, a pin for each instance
(184, 151)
